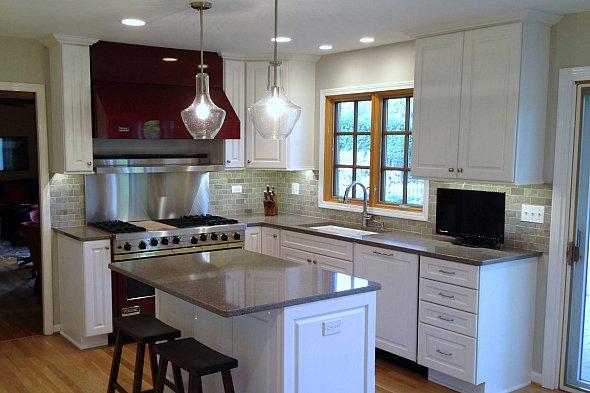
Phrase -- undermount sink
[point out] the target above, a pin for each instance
(337, 230)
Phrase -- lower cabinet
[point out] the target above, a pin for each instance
(397, 301)
(85, 291)
(271, 241)
(253, 241)
(326, 263)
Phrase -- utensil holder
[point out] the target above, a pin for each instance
(270, 208)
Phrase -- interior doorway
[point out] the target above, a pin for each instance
(21, 312)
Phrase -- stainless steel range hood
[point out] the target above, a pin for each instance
(154, 165)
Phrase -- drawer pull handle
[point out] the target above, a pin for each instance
(444, 353)
(382, 253)
(447, 272)
(446, 296)
(446, 319)
(309, 261)
(315, 262)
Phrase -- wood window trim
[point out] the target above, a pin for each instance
(377, 99)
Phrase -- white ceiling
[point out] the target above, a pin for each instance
(245, 26)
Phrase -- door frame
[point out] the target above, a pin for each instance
(44, 195)
(555, 306)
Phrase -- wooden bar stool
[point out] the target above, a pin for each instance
(198, 359)
(143, 329)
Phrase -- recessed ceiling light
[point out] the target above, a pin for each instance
(169, 59)
(133, 22)
(325, 47)
(281, 39)
(367, 40)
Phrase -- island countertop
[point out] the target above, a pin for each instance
(237, 282)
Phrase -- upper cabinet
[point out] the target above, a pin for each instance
(71, 116)
(253, 151)
(480, 104)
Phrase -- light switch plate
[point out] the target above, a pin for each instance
(295, 188)
(532, 213)
(332, 327)
(236, 189)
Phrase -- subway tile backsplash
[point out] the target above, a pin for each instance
(67, 202)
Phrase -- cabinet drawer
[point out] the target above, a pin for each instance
(318, 245)
(290, 254)
(450, 272)
(448, 318)
(448, 295)
(334, 264)
(447, 352)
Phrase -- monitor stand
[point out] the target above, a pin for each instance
(474, 243)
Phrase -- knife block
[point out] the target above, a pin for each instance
(270, 208)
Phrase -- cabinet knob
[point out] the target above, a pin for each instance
(275, 236)
(315, 262)
(451, 169)
(249, 162)
(460, 170)
(228, 161)
(89, 163)
(107, 248)
(309, 261)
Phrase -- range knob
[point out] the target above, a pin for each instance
(224, 237)
(176, 240)
(194, 240)
(237, 236)
(153, 242)
(127, 247)
(142, 245)
(214, 236)
(202, 237)
(164, 241)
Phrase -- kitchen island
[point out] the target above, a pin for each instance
(293, 328)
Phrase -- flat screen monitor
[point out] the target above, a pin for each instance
(474, 218)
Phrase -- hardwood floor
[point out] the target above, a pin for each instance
(52, 364)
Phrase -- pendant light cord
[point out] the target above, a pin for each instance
(201, 18)
(275, 63)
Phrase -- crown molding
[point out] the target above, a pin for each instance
(268, 57)
(535, 16)
(61, 39)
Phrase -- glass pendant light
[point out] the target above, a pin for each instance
(203, 119)
(274, 115)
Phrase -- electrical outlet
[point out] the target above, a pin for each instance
(332, 327)
(295, 188)
(236, 189)
(532, 213)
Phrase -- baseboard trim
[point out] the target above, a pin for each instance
(536, 377)
(56, 328)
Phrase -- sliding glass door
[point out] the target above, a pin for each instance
(577, 360)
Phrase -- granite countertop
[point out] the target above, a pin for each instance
(84, 233)
(424, 245)
(224, 281)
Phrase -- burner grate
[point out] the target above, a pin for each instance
(200, 220)
(118, 226)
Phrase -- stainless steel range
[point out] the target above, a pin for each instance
(188, 234)
(153, 238)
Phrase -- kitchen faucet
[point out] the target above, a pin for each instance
(366, 215)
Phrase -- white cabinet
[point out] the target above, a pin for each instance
(245, 82)
(475, 324)
(234, 85)
(71, 109)
(253, 241)
(271, 241)
(85, 291)
(397, 301)
(481, 104)
(326, 263)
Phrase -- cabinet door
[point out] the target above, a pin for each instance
(489, 103)
(253, 241)
(437, 105)
(98, 317)
(290, 254)
(234, 85)
(397, 301)
(76, 109)
(260, 152)
(333, 264)
(271, 242)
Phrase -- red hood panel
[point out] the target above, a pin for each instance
(145, 111)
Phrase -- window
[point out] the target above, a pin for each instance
(368, 138)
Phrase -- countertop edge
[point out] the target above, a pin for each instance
(67, 231)
(525, 253)
(372, 287)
